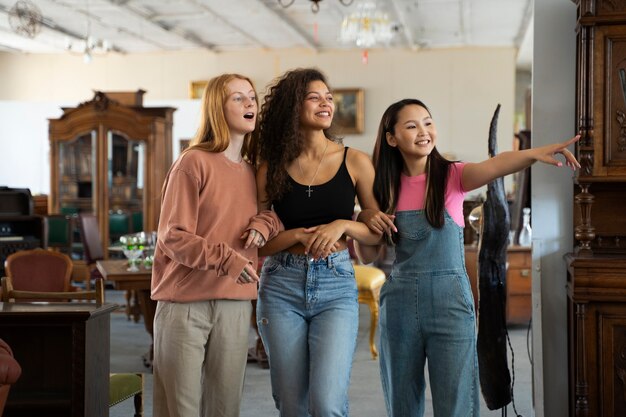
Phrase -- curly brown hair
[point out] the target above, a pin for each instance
(280, 140)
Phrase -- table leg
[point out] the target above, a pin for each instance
(148, 308)
(132, 305)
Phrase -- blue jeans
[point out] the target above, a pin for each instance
(307, 314)
(427, 315)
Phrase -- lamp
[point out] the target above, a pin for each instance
(315, 7)
(89, 46)
(367, 27)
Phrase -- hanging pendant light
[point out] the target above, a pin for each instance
(367, 27)
(315, 4)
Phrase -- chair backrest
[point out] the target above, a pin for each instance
(119, 225)
(39, 270)
(90, 235)
(9, 293)
(137, 221)
(60, 231)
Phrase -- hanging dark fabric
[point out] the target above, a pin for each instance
(495, 379)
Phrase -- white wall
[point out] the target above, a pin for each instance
(554, 67)
(461, 86)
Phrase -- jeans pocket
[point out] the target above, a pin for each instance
(343, 269)
(270, 266)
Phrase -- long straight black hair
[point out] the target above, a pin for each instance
(389, 164)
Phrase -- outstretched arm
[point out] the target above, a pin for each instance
(478, 174)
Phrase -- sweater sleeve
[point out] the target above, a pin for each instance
(267, 223)
(178, 225)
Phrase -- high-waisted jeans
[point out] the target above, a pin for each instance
(307, 314)
(427, 314)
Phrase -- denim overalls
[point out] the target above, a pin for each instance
(308, 318)
(427, 312)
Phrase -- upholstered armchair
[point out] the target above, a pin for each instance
(10, 371)
(39, 270)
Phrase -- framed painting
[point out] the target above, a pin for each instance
(196, 88)
(349, 110)
(183, 144)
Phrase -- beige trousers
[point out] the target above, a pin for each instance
(200, 352)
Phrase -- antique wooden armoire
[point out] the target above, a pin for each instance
(596, 282)
(109, 156)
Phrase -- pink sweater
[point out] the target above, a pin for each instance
(208, 202)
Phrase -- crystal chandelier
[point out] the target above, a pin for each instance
(367, 27)
(315, 6)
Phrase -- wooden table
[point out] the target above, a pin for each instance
(115, 270)
(63, 349)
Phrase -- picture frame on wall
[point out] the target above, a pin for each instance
(349, 110)
(196, 88)
(183, 144)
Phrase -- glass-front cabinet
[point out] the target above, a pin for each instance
(76, 180)
(125, 172)
(109, 156)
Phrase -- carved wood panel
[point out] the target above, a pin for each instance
(611, 6)
(613, 363)
(610, 102)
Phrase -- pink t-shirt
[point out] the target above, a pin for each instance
(413, 192)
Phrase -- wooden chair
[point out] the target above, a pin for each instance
(10, 293)
(92, 244)
(39, 270)
(121, 386)
(60, 233)
(369, 281)
(119, 225)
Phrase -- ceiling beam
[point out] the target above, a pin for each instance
(304, 37)
(51, 25)
(524, 23)
(188, 36)
(465, 18)
(406, 29)
(227, 22)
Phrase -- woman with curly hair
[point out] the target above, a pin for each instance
(204, 272)
(307, 312)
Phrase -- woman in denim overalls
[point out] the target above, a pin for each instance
(427, 309)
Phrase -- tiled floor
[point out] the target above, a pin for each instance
(129, 341)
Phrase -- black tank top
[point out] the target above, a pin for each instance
(328, 202)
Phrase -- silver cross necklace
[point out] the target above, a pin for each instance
(309, 190)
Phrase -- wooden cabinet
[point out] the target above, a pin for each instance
(596, 280)
(518, 281)
(63, 349)
(596, 290)
(110, 155)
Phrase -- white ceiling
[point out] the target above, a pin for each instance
(132, 26)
